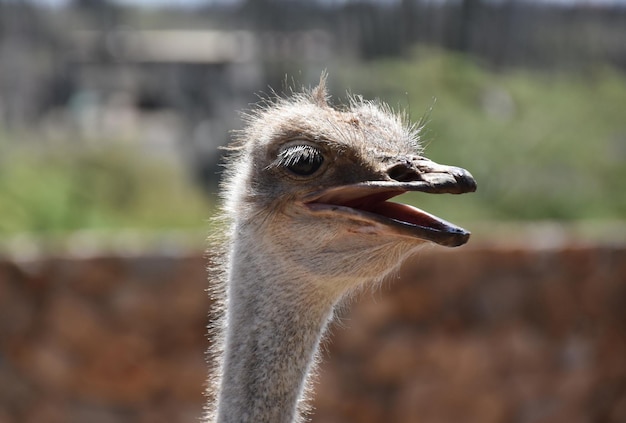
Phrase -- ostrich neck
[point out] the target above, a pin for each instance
(274, 324)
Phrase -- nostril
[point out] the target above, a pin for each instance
(403, 172)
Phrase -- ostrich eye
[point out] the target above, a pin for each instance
(302, 160)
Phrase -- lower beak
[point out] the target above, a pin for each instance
(367, 201)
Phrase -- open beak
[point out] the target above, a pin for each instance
(367, 201)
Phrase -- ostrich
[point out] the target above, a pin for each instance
(306, 196)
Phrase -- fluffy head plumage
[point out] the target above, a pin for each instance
(361, 138)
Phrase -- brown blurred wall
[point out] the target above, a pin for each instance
(480, 334)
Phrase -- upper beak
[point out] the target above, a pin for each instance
(422, 174)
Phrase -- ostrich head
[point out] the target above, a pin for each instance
(314, 183)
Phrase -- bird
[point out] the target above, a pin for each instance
(307, 224)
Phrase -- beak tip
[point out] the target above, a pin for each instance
(465, 180)
(459, 239)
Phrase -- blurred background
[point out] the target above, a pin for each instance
(111, 117)
(111, 112)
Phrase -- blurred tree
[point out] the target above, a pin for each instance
(101, 14)
(466, 22)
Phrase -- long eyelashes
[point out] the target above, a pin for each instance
(301, 159)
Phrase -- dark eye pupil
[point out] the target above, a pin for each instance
(306, 165)
(303, 160)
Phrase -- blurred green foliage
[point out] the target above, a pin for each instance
(541, 146)
(56, 190)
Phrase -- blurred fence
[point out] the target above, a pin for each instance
(480, 334)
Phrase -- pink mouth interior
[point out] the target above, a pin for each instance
(377, 203)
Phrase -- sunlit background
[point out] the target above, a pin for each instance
(111, 118)
(112, 112)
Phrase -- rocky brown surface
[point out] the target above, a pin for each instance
(479, 334)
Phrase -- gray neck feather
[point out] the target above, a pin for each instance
(274, 322)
